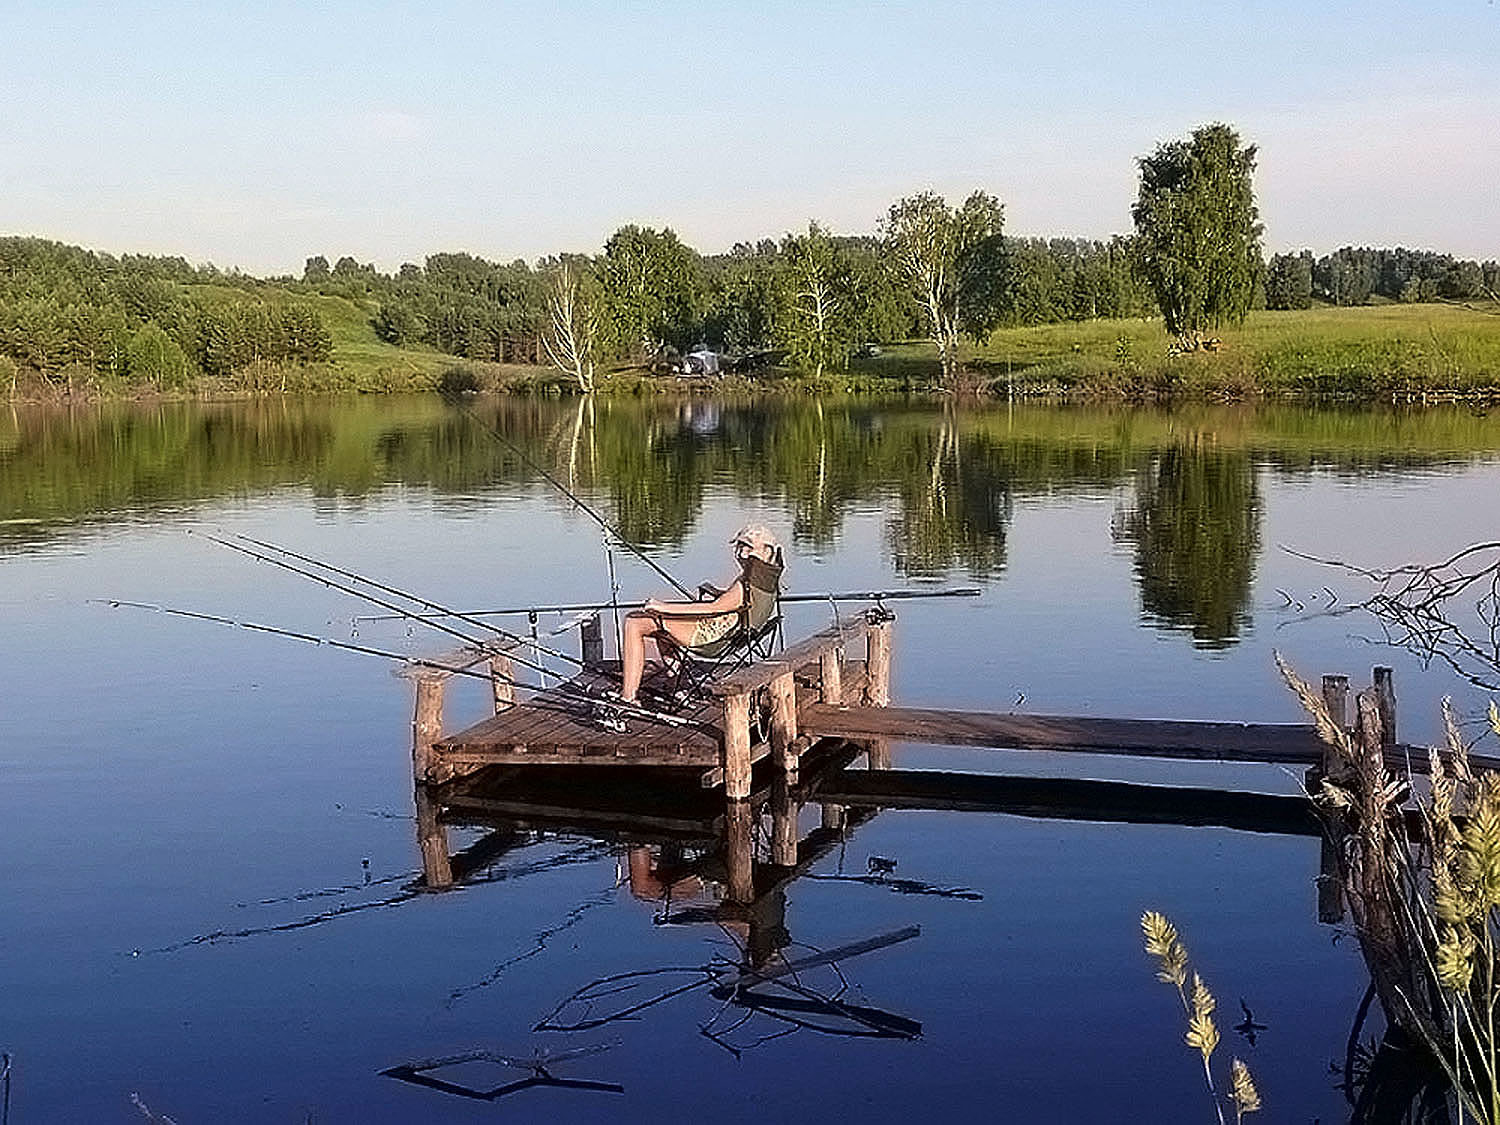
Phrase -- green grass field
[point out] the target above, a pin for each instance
(1377, 351)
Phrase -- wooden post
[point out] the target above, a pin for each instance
(784, 810)
(737, 746)
(432, 840)
(427, 728)
(783, 691)
(878, 665)
(738, 857)
(831, 677)
(591, 637)
(503, 682)
(1330, 881)
(834, 817)
(1385, 695)
(878, 753)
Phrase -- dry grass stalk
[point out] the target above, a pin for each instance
(1427, 911)
(1163, 943)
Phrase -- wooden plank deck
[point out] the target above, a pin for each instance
(558, 729)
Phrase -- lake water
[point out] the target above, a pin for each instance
(209, 902)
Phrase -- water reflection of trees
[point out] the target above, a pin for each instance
(1195, 524)
(945, 479)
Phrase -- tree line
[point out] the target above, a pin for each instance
(70, 314)
(811, 300)
(1358, 275)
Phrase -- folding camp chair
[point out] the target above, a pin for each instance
(755, 636)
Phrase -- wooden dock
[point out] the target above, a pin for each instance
(831, 691)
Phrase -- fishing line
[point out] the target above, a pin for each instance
(577, 500)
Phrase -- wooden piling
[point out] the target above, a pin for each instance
(1335, 769)
(878, 665)
(591, 638)
(1385, 697)
(427, 728)
(736, 757)
(831, 677)
(503, 682)
(783, 692)
(878, 753)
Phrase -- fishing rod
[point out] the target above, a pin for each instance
(564, 689)
(433, 620)
(584, 607)
(310, 638)
(436, 607)
(527, 460)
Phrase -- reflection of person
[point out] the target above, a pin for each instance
(675, 625)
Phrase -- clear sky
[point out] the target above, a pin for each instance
(254, 135)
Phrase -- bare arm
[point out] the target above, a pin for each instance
(727, 602)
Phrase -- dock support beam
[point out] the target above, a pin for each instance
(878, 664)
(831, 677)
(503, 682)
(737, 746)
(783, 692)
(427, 728)
(1330, 885)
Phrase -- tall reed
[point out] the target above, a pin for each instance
(1424, 890)
(1198, 1004)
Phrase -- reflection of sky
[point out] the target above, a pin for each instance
(159, 772)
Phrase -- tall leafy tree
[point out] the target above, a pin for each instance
(651, 287)
(1198, 230)
(1289, 281)
(954, 262)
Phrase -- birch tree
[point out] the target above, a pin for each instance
(571, 334)
(954, 262)
(814, 318)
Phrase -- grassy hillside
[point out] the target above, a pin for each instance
(1376, 351)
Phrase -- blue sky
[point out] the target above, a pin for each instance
(254, 135)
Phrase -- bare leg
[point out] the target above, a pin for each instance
(638, 628)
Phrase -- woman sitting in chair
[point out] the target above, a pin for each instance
(701, 625)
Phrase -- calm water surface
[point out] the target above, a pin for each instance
(209, 835)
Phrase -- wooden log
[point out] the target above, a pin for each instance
(736, 755)
(432, 840)
(427, 728)
(503, 682)
(783, 692)
(831, 677)
(738, 854)
(878, 665)
(1385, 696)
(591, 638)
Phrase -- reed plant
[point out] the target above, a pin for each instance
(1423, 889)
(1198, 1004)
